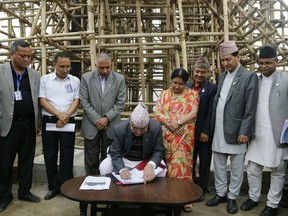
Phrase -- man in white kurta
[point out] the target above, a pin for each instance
(264, 149)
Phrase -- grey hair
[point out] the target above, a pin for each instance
(202, 62)
(103, 56)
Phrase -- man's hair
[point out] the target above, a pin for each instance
(16, 44)
(202, 62)
(235, 53)
(60, 55)
(103, 56)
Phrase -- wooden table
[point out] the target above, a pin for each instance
(170, 192)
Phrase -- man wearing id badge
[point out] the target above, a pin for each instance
(19, 89)
(59, 98)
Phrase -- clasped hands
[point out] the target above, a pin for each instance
(148, 173)
(63, 119)
(102, 123)
(173, 126)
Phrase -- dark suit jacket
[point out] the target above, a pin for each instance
(203, 120)
(240, 106)
(152, 143)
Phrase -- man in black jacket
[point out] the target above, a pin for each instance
(203, 135)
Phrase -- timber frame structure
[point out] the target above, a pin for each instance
(146, 38)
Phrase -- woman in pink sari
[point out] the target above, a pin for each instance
(176, 110)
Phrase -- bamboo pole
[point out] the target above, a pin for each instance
(90, 6)
(183, 36)
(141, 55)
(177, 35)
(225, 16)
(43, 32)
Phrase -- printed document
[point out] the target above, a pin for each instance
(95, 183)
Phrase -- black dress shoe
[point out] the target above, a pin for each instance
(232, 207)
(269, 211)
(51, 194)
(248, 205)
(29, 197)
(4, 203)
(216, 200)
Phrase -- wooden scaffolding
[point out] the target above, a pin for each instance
(146, 38)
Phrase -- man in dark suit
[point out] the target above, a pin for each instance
(233, 119)
(135, 140)
(203, 135)
(102, 95)
(19, 89)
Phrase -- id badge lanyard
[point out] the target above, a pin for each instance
(18, 95)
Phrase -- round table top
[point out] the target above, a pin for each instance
(161, 191)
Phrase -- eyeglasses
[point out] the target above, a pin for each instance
(62, 67)
(178, 84)
(104, 67)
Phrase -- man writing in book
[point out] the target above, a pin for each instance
(135, 140)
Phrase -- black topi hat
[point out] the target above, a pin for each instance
(268, 51)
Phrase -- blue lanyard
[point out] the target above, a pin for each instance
(19, 79)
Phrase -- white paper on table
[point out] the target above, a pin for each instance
(95, 183)
(136, 176)
(70, 127)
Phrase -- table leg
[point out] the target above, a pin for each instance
(83, 209)
(177, 210)
(169, 211)
(93, 209)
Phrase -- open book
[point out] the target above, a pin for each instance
(284, 133)
(137, 174)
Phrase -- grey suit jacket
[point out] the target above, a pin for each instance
(240, 106)
(278, 103)
(153, 147)
(96, 105)
(7, 97)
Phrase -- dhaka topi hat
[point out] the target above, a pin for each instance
(268, 51)
(140, 116)
(227, 48)
(202, 62)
